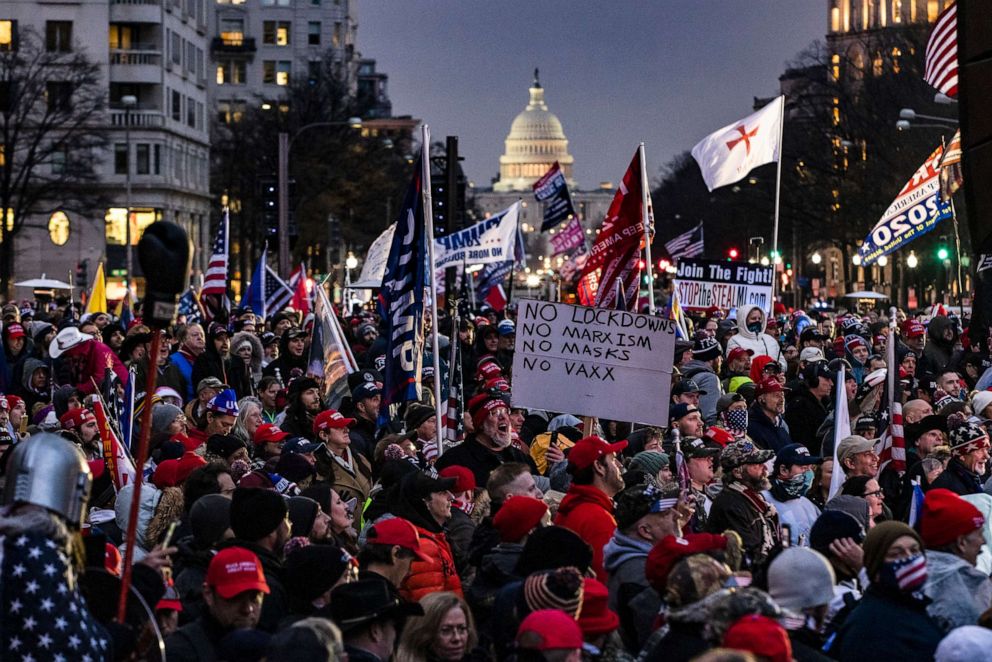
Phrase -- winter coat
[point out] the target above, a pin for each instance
(89, 362)
(189, 580)
(760, 343)
(196, 642)
(765, 433)
(496, 571)
(363, 435)
(937, 353)
(25, 390)
(804, 414)
(960, 593)
(480, 460)
(887, 625)
(958, 479)
(438, 574)
(706, 379)
(282, 368)
(588, 511)
(624, 558)
(348, 484)
(798, 513)
(757, 527)
(459, 530)
(211, 364)
(254, 368)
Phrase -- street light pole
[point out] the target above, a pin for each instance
(285, 146)
(129, 101)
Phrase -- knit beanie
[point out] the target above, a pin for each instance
(945, 517)
(294, 467)
(555, 589)
(878, 541)
(965, 436)
(223, 445)
(163, 414)
(416, 415)
(302, 514)
(760, 635)
(209, 518)
(553, 547)
(518, 516)
(256, 512)
(833, 525)
(818, 579)
(980, 401)
(650, 462)
(855, 506)
(311, 571)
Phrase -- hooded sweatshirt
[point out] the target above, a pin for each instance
(624, 558)
(938, 352)
(588, 511)
(760, 342)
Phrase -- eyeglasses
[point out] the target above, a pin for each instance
(449, 630)
(877, 493)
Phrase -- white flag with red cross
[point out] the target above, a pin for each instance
(729, 154)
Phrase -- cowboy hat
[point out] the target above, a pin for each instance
(66, 339)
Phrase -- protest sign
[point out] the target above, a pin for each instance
(569, 237)
(375, 261)
(701, 284)
(552, 190)
(915, 211)
(593, 362)
(490, 240)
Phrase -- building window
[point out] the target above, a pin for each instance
(190, 113)
(336, 37)
(177, 102)
(191, 57)
(896, 55)
(8, 35)
(276, 72)
(176, 49)
(116, 219)
(156, 159)
(313, 33)
(877, 65)
(58, 228)
(142, 159)
(232, 31)
(121, 37)
(231, 72)
(58, 161)
(275, 33)
(933, 10)
(120, 158)
(59, 96)
(58, 36)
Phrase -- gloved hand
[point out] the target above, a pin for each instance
(165, 254)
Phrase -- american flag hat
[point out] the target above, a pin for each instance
(225, 402)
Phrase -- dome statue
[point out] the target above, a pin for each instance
(536, 140)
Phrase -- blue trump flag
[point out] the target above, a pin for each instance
(254, 296)
(401, 299)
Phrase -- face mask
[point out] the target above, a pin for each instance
(465, 506)
(736, 421)
(754, 327)
(906, 575)
(807, 480)
(795, 486)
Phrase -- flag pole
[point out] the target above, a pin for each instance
(425, 164)
(778, 191)
(647, 218)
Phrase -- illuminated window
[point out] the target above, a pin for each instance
(116, 218)
(933, 10)
(896, 54)
(232, 31)
(897, 11)
(8, 35)
(877, 65)
(59, 228)
(835, 19)
(883, 9)
(276, 72)
(275, 33)
(835, 66)
(231, 72)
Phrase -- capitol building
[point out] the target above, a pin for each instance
(535, 141)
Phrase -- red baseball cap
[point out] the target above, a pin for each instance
(738, 352)
(913, 329)
(331, 419)
(554, 630)
(488, 369)
(586, 451)
(760, 635)
(769, 385)
(464, 478)
(719, 435)
(235, 570)
(14, 330)
(397, 531)
(76, 417)
(267, 433)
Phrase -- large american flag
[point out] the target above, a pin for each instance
(213, 294)
(942, 53)
(891, 447)
(277, 292)
(454, 429)
(687, 244)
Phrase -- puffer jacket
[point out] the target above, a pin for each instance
(438, 574)
(588, 511)
(760, 343)
(960, 593)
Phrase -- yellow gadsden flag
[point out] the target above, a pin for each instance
(97, 303)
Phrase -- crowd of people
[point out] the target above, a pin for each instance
(272, 526)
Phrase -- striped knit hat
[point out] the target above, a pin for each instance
(555, 589)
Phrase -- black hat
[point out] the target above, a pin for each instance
(311, 571)
(681, 346)
(687, 386)
(294, 333)
(811, 333)
(256, 512)
(365, 601)
(301, 384)
(302, 514)
(932, 422)
(791, 455)
(223, 445)
(294, 467)
(833, 525)
(553, 547)
(422, 486)
(706, 349)
(269, 338)
(417, 414)
(696, 447)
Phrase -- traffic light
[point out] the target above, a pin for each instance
(663, 265)
(943, 253)
(82, 273)
(733, 253)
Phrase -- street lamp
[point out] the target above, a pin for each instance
(911, 260)
(129, 101)
(909, 114)
(856, 260)
(816, 258)
(883, 261)
(350, 262)
(285, 145)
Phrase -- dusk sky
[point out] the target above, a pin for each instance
(615, 73)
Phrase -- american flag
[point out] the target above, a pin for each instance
(213, 294)
(942, 53)
(951, 176)
(189, 305)
(892, 445)
(454, 430)
(687, 244)
(44, 615)
(277, 292)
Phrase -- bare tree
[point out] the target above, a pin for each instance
(51, 135)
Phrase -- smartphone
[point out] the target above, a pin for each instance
(23, 427)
